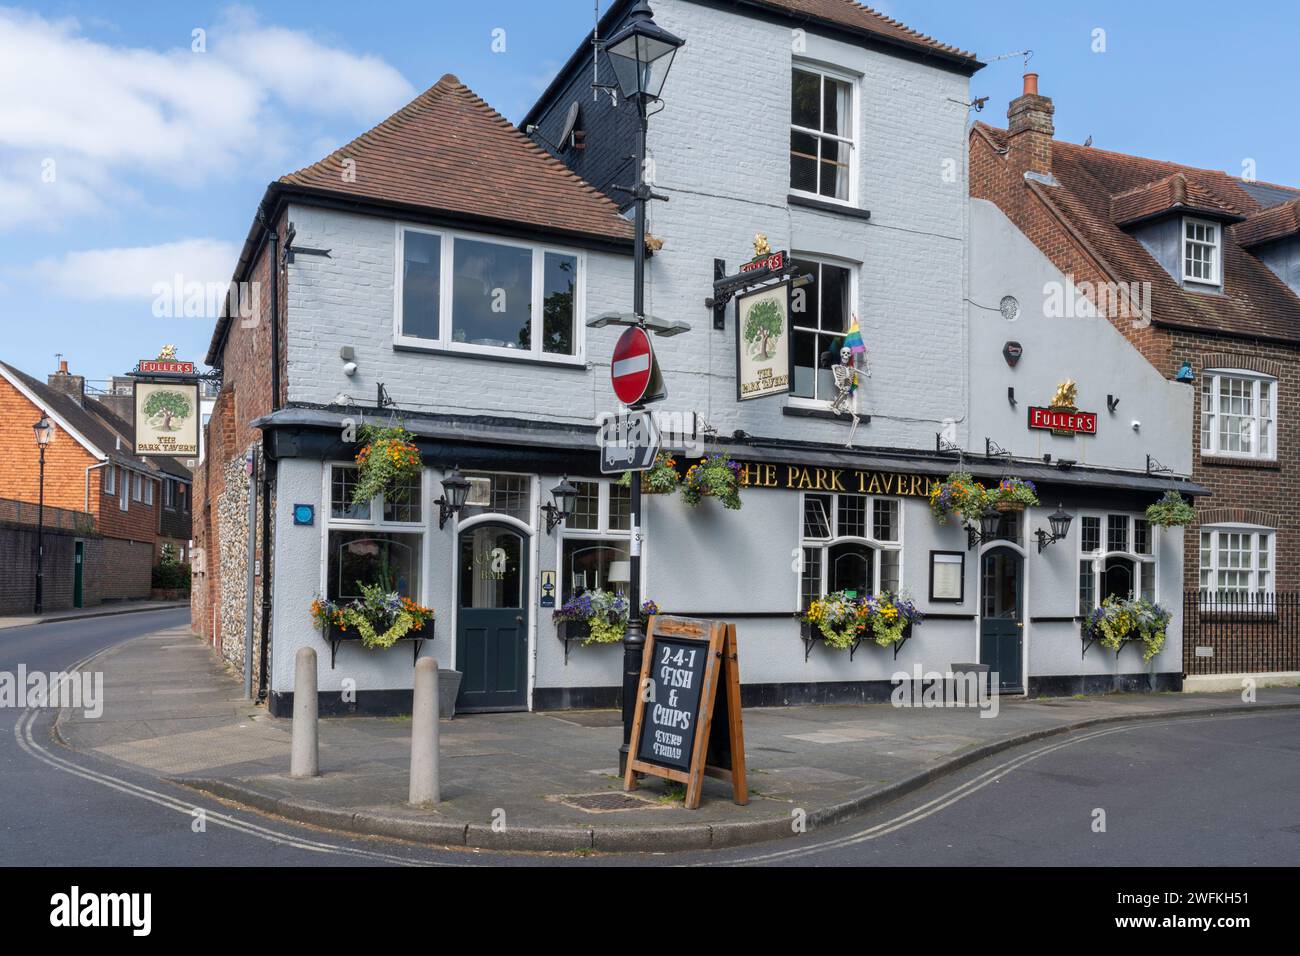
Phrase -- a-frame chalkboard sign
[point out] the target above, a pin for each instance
(690, 671)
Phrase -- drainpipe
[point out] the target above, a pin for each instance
(102, 464)
(268, 465)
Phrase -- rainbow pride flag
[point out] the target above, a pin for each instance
(853, 337)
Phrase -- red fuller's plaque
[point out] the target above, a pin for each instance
(1063, 420)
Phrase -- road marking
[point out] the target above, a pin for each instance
(957, 793)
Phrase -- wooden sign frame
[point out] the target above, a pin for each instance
(718, 748)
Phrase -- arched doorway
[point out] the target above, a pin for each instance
(492, 618)
(1002, 622)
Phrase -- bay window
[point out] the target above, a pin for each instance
(1238, 414)
(490, 296)
(1236, 563)
(380, 541)
(1116, 559)
(849, 543)
(822, 140)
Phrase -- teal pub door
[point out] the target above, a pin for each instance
(492, 619)
(1002, 619)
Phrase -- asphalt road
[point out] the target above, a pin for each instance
(1197, 791)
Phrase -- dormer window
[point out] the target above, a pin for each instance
(1202, 251)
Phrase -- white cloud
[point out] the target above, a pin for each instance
(135, 273)
(107, 114)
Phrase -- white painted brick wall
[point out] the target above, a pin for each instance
(722, 153)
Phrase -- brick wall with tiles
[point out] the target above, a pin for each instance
(66, 460)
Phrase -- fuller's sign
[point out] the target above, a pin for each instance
(1061, 421)
(164, 367)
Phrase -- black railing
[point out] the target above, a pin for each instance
(1233, 632)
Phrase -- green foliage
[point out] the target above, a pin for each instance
(960, 495)
(170, 574)
(1015, 491)
(380, 617)
(1171, 511)
(1126, 619)
(661, 478)
(168, 405)
(716, 476)
(764, 325)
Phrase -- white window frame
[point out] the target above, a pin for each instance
(374, 523)
(110, 481)
(446, 321)
(1215, 248)
(1253, 591)
(1211, 417)
(148, 492)
(137, 487)
(124, 490)
(602, 532)
(869, 539)
(1142, 563)
(854, 268)
(853, 140)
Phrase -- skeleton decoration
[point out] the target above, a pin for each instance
(846, 383)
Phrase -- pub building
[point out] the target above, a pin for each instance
(468, 265)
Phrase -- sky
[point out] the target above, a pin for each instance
(137, 138)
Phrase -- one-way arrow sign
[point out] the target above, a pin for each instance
(628, 442)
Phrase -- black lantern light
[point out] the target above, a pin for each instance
(1060, 522)
(565, 496)
(44, 431)
(990, 521)
(455, 489)
(641, 54)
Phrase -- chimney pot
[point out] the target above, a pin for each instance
(1031, 129)
(63, 366)
(1031, 84)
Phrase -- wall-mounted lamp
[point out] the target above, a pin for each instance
(455, 488)
(1060, 522)
(990, 520)
(564, 496)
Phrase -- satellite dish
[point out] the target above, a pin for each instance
(570, 124)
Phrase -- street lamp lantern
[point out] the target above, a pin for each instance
(641, 54)
(44, 430)
(990, 518)
(1060, 522)
(565, 496)
(455, 489)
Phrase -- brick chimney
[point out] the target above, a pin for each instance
(69, 384)
(1029, 120)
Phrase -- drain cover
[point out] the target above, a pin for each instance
(607, 802)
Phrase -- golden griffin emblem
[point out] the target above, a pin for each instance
(168, 354)
(1067, 393)
(761, 248)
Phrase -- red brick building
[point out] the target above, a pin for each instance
(1201, 271)
(116, 510)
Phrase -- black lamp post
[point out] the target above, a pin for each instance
(641, 55)
(455, 489)
(44, 432)
(990, 521)
(1060, 522)
(564, 495)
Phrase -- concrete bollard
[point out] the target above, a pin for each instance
(425, 786)
(305, 750)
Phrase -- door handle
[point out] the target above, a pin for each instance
(1020, 623)
(519, 619)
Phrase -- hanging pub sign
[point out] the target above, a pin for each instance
(763, 342)
(690, 671)
(165, 367)
(167, 419)
(1061, 417)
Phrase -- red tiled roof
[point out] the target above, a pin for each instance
(1254, 301)
(1276, 222)
(448, 151)
(1169, 194)
(847, 13)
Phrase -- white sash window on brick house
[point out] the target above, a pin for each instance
(1238, 414)
(823, 135)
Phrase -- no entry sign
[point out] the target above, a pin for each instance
(634, 371)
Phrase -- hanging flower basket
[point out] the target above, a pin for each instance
(1014, 494)
(1171, 511)
(379, 618)
(844, 621)
(717, 477)
(1120, 620)
(603, 614)
(959, 496)
(661, 478)
(386, 461)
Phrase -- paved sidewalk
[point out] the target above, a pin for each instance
(99, 610)
(173, 709)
